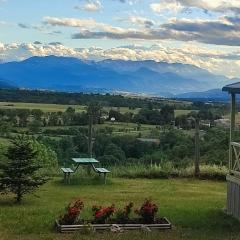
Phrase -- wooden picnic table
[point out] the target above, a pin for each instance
(85, 162)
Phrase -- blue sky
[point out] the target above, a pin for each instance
(200, 32)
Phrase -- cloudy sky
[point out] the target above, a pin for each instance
(205, 33)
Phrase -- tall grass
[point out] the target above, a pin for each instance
(168, 171)
(154, 171)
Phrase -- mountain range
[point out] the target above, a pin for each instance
(75, 75)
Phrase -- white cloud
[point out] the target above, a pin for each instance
(90, 5)
(3, 23)
(222, 31)
(221, 6)
(173, 6)
(138, 21)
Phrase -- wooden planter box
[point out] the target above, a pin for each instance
(73, 228)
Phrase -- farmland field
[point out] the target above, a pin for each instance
(182, 112)
(62, 108)
(194, 207)
(43, 107)
(55, 107)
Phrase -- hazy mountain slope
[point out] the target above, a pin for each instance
(210, 94)
(59, 73)
(6, 84)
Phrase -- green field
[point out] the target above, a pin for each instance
(182, 112)
(194, 208)
(62, 108)
(41, 106)
(55, 107)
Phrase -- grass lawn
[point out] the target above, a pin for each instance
(194, 207)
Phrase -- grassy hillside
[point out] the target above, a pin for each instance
(194, 207)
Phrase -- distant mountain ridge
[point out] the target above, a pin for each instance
(5, 84)
(216, 94)
(72, 74)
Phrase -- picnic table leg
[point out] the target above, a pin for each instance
(65, 177)
(68, 178)
(105, 178)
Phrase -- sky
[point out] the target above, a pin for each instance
(204, 33)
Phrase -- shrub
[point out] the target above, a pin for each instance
(73, 211)
(102, 214)
(147, 211)
(123, 215)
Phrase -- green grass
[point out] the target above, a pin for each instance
(79, 108)
(56, 107)
(4, 141)
(180, 112)
(194, 207)
(122, 109)
(41, 106)
(118, 128)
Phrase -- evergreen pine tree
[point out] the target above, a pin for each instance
(19, 174)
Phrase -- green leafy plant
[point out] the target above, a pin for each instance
(123, 215)
(147, 211)
(102, 214)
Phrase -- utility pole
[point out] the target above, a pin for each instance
(90, 133)
(197, 149)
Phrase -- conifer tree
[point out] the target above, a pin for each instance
(19, 174)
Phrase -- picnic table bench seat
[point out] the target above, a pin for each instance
(102, 170)
(67, 170)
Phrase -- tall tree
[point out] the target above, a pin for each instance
(197, 150)
(19, 174)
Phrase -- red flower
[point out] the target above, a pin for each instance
(101, 215)
(72, 212)
(147, 211)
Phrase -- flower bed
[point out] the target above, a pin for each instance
(110, 218)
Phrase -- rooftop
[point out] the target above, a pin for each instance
(232, 88)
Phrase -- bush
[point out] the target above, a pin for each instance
(147, 211)
(123, 215)
(102, 214)
(73, 211)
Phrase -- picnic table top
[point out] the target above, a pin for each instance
(85, 160)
